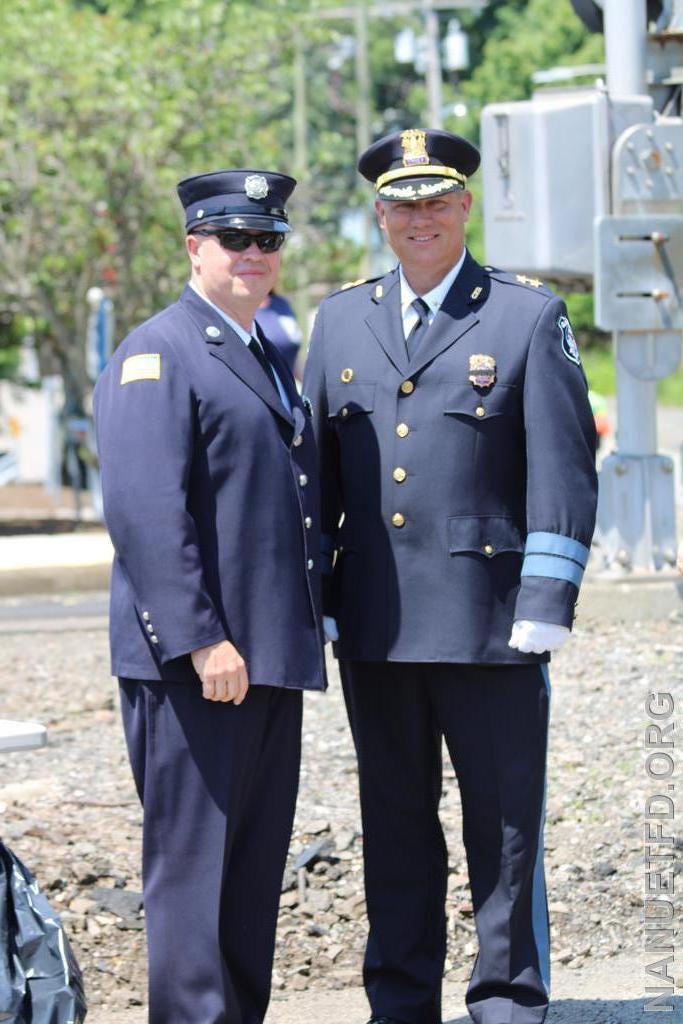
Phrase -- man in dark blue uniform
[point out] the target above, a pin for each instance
(211, 499)
(456, 448)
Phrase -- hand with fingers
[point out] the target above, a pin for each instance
(222, 671)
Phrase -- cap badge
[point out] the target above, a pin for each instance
(414, 143)
(256, 186)
(482, 370)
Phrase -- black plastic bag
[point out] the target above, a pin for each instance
(40, 981)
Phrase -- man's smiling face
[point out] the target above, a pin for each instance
(427, 235)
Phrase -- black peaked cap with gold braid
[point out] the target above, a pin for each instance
(417, 164)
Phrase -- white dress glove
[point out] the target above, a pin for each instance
(536, 637)
(330, 628)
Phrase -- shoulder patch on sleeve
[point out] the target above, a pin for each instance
(145, 366)
(569, 346)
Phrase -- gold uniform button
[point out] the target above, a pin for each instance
(344, 412)
(403, 430)
(488, 549)
(480, 410)
(398, 520)
(347, 375)
(303, 480)
(154, 639)
(407, 387)
(145, 616)
(310, 563)
(308, 522)
(298, 440)
(399, 474)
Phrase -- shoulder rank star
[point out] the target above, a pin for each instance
(482, 370)
(533, 282)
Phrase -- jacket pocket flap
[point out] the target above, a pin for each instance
(488, 535)
(464, 400)
(347, 399)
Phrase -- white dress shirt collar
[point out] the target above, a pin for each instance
(245, 336)
(433, 298)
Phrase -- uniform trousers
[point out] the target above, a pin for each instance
(494, 720)
(218, 785)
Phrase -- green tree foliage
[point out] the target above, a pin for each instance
(106, 104)
(100, 118)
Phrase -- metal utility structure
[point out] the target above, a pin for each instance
(584, 186)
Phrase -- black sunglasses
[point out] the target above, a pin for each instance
(237, 240)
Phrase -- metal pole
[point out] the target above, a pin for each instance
(433, 73)
(301, 174)
(625, 47)
(636, 508)
(625, 44)
(363, 114)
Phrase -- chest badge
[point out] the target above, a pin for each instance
(347, 375)
(482, 370)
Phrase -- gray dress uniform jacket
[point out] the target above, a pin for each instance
(451, 509)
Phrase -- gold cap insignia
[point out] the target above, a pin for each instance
(482, 370)
(347, 375)
(414, 143)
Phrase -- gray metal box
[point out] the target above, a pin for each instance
(546, 168)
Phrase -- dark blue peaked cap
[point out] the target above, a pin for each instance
(419, 164)
(237, 199)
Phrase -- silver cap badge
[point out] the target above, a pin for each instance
(256, 186)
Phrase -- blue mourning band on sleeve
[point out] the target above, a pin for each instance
(555, 567)
(541, 543)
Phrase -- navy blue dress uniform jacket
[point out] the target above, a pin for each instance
(211, 499)
(449, 509)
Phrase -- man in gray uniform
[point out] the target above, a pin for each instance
(456, 448)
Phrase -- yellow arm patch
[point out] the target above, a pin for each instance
(146, 366)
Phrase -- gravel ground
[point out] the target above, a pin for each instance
(71, 813)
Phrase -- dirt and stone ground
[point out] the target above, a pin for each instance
(71, 813)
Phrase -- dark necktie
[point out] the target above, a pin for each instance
(254, 347)
(415, 337)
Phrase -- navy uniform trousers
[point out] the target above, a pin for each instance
(218, 784)
(494, 720)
